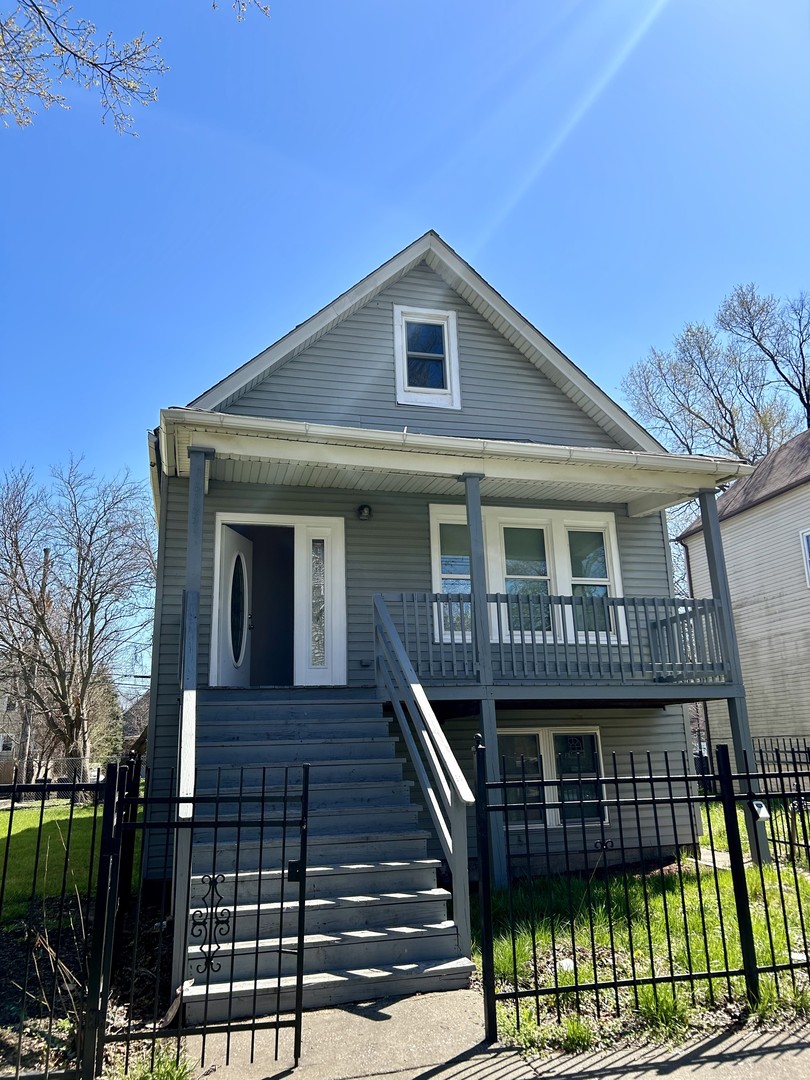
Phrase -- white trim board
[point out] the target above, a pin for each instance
(306, 526)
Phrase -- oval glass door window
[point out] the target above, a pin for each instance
(238, 582)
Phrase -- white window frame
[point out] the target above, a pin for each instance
(804, 537)
(556, 524)
(455, 515)
(448, 398)
(545, 737)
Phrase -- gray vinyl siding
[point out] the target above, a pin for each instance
(771, 603)
(347, 377)
(623, 732)
(390, 553)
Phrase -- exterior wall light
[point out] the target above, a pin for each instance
(364, 512)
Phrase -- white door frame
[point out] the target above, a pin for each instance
(306, 527)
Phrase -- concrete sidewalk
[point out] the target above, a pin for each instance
(440, 1037)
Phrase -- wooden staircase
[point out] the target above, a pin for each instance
(376, 921)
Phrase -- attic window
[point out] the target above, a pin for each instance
(426, 357)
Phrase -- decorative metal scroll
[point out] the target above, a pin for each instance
(211, 924)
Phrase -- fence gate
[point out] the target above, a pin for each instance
(626, 890)
(94, 917)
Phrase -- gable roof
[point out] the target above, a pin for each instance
(782, 469)
(472, 288)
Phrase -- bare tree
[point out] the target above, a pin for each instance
(76, 584)
(43, 44)
(709, 395)
(774, 334)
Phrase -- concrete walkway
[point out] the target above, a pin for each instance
(439, 1037)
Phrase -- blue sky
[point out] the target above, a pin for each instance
(612, 167)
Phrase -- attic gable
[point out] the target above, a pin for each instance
(431, 252)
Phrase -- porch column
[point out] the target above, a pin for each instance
(735, 703)
(483, 653)
(187, 733)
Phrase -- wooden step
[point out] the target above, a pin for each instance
(374, 844)
(339, 879)
(325, 951)
(325, 913)
(233, 1001)
(291, 751)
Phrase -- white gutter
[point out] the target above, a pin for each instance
(715, 470)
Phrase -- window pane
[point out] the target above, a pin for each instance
(456, 586)
(525, 552)
(425, 338)
(529, 613)
(238, 610)
(587, 555)
(573, 793)
(575, 754)
(593, 617)
(318, 644)
(454, 541)
(515, 747)
(425, 373)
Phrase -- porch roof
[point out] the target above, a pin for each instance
(300, 454)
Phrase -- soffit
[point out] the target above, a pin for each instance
(280, 453)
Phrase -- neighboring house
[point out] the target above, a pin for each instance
(413, 507)
(765, 526)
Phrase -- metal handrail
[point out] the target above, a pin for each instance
(443, 785)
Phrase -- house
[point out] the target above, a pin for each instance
(765, 526)
(410, 520)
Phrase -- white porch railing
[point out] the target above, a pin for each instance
(446, 792)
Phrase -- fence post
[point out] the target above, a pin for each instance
(101, 934)
(485, 891)
(740, 885)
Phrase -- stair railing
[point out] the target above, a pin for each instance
(445, 790)
(186, 763)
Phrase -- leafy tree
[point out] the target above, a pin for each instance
(76, 581)
(43, 44)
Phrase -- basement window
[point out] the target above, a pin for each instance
(426, 357)
(569, 764)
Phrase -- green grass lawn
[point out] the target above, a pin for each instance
(573, 931)
(66, 846)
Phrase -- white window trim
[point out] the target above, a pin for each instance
(450, 398)
(545, 737)
(557, 524)
(804, 537)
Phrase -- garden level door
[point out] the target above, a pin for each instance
(280, 612)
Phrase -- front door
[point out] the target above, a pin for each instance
(293, 629)
(235, 622)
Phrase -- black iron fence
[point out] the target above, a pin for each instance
(107, 964)
(634, 889)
